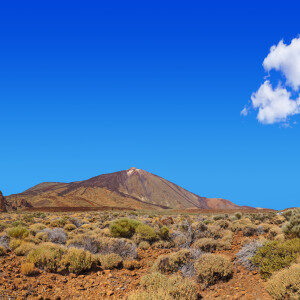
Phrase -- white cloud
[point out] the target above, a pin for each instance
(277, 105)
(274, 105)
(286, 58)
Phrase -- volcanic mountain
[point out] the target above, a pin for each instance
(133, 188)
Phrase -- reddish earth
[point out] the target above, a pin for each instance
(116, 284)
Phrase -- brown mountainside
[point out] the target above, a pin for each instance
(133, 188)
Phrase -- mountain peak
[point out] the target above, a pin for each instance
(132, 188)
(133, 170)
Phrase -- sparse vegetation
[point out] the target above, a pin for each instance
(180, 251)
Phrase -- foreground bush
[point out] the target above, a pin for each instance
(158, 286)
(124, 227)
(46, 256)
(77, 261)
(276, 255)
(211, 268)
(285, 284)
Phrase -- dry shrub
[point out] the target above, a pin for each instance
(2, 251)
(158, 286)
(285, 284)
(211, 268)
(163, 245)
(85, 242)
(245, 255)
(70, 227)
(172, 262)
(77, 260)
(14, 243)
(35, 228)
(110, 261)
(131, 264)
(24, 248)
(206, 245)
(292, 228)
(144, 245)
(28, 269)
(56, 235)
(46, 256)
(42, 236)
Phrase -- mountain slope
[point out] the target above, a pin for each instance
(133, 188)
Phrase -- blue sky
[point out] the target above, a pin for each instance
(92, 87)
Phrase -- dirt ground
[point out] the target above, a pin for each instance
(116, 284)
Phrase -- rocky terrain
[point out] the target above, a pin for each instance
(133, 188)
(150, 255)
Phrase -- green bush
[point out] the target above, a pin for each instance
(18, 232)
(276, 255)
(164, 233)
(77, 260)
(211, 268)
(145, 232)
(47, 256)
(285, 284)
(124, 227)
(238, 215)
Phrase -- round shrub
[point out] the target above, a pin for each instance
(144, 245)
(170, 263)
(164, 233)
(24, 248)
(110, 261)
(18, 232)
(123, 227)
(206, 245)
(77, 260)
(145, 232)
(211, 268)
(70, 227)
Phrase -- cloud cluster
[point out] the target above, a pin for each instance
(275, 105)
